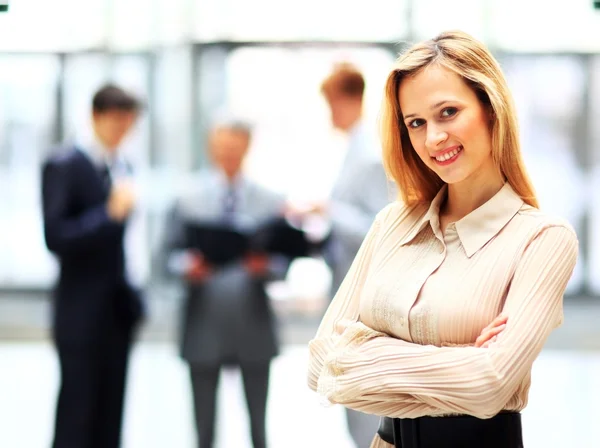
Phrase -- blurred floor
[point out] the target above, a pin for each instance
(158, 413)
(563, 409)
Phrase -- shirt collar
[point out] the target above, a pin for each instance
(222, 180)
(479, 226)
(100, 154)
(357, 128)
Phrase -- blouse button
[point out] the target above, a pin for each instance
(402, 321)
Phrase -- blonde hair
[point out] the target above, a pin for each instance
(470, 59)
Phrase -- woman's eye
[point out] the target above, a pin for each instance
(449, 111)
(415, 123)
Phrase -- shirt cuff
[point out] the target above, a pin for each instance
(179, 262)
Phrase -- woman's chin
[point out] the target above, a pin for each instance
(452, 178)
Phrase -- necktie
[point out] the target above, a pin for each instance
(229, 203)
(105, 175)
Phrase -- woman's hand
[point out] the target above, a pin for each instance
(490, 333)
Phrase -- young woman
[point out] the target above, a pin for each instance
(458, 284)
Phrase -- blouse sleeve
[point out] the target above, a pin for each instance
(343, 314)
(367, 366)
(343, 309)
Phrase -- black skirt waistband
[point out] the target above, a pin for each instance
(462, 431)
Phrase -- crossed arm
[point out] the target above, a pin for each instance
(353, 365)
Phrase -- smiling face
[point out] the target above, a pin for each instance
(447, 125)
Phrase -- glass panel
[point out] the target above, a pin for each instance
(57, 25)
(431, 17)
(131, 24)
(550, 92)
(174, 21)
(71, 25)
(593, 193)
(382, 20)
(172, 131)
(559, 26)
(28, 87)
(173, 109)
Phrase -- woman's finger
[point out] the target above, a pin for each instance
(495, 323)
(490, 342)
(488, 335)
(496, 330)
(493, 332)
(500, 320)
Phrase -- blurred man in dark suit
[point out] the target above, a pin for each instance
(87, 200)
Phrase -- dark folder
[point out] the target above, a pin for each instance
(278, 236)
(218, 244)
(222, 244)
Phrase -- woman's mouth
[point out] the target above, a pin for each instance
(448, 157)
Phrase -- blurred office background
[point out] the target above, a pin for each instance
(266, 59)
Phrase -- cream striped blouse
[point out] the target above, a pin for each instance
(398, 337)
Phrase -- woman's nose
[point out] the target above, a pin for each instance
(435, 136)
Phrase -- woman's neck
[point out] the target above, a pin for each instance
(466, 196)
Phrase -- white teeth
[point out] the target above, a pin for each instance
(448, 155)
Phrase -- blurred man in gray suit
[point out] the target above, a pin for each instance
(360, 191)
(227, 318)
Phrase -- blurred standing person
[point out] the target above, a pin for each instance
(359, 193)
(227, 317)
(361, 189)
(86, 204)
